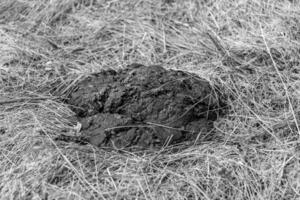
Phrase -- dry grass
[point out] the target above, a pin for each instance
(248, 48)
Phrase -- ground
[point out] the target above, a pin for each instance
(246, 51)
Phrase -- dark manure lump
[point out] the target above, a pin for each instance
(144, 106)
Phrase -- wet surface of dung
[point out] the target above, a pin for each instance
(143, 106)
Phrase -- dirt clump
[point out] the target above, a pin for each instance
(143, 106)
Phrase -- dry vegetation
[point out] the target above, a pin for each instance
(248, 48)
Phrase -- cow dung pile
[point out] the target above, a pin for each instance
(143, 106)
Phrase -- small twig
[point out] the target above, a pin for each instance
(126, 126)
(167, 127)
(222, 50)
(20, 100)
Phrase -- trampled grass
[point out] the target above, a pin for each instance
(250, 49)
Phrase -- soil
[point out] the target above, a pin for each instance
(143, 106)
